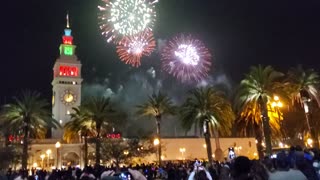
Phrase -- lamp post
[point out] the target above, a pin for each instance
(48, 153)
(182, 150)
(42, 156)
(58, 145)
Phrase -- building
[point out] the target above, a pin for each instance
(66, 94)
(66, 84)
(66, 90)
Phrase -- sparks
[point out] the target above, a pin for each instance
(186, 58)
(130, 49)
(120, 18)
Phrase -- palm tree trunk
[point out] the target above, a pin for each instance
(207, 140)
(218, 152)
(25, 145)
(158, 119)
(258, 135)
(98, 144)
(266, 126)
(312, 132)
(85, 151)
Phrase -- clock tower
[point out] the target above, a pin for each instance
(66, 84)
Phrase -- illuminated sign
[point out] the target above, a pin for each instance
(67, 39)
(114, 136)
(68, 71)
(68, 50)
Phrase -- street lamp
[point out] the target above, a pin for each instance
(182, 150)
(42, 156)
(58, 145)
(126, 152)
(156, 142)
(48, 153)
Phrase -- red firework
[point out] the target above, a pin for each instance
(130, 49)
(186, 58)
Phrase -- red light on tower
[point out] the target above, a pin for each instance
(68, 71)
(67, 39)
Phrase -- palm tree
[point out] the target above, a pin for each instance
(303, 88)
(100, 116)
(209, 108)
(78, 126)
(253, 95)
(31, 114)
(157, 106)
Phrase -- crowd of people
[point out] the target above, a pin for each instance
(294, 164)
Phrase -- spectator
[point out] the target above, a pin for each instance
(242, 168)
(283, 170)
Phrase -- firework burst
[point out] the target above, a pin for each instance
(186, 58)
(120, 18)
(130, 49)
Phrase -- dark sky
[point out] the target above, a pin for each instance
(239, 33)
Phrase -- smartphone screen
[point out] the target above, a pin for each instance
(231, 154)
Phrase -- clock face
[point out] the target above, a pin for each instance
(68, 98)
(68, 50)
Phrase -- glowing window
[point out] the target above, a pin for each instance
(68, 71)
(68, 50)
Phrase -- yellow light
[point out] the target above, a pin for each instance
(204, 146)
(42, 156)
(58, 145)
(48, 152)
(309, 141)
(279, 104)
(182, 150)
(286, 146)
(126, 152)
(35, 164)
(156, 142)
(255, 154)
(274, 104)
(276, 98)
(281, 144)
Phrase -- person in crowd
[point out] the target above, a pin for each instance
(283, 170)
(241, 168)
(258, 171)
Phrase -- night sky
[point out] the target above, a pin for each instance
(239, 33)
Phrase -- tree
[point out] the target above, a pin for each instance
(78, 126)
(9, 155)
(30, 114)
(253, 96)
(100, 116)
(303, 86)
(125, 150)
(210, 108)
(157, 106)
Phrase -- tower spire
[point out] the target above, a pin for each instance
(67, 18)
